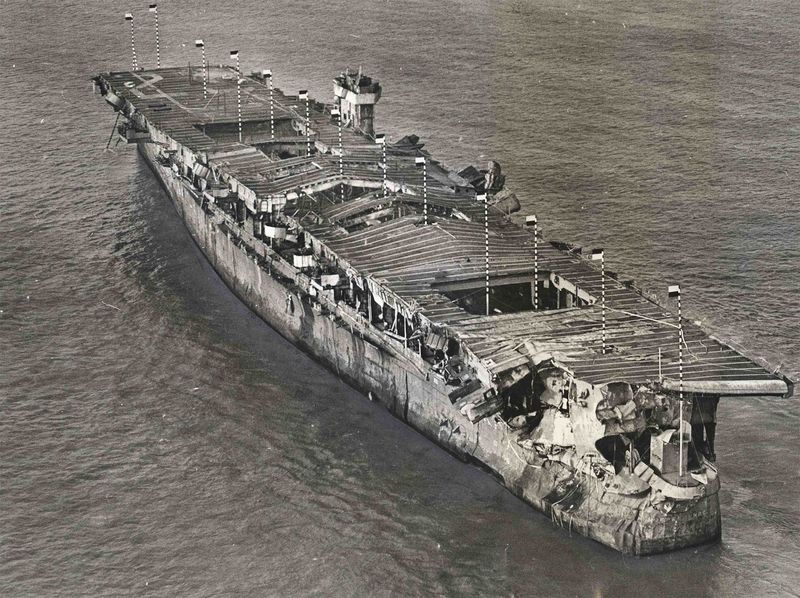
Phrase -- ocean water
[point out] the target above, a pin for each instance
(158, 439)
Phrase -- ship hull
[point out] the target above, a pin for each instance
(397, 378)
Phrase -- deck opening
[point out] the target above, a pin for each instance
(514, 293)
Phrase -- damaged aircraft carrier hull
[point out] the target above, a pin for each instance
(413, 283)
(396, 378)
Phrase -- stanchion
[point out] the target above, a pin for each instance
(421, 161)
(598, 254)
(154, 10)
(268, 76)
(304, 96)
(485, 199)
(534, 222)
(675, 291)
(200, 44)
(338, 114)
(235, 54)
(134, 63)
(381, 138)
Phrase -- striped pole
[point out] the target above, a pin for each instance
(338, 114)
(235, 54)
(675, 291)
(534, 222)
(421, 161)
(308, 129)
(268, 76)
(536, 263)
(599, 254)
(200, 44)
(381, 138)
(425, 190)
(134, 64)
(485, 199)
(680, 375)
(304, 96)
(603, 297)
(383, 157)
(154, 10)
(383, 160)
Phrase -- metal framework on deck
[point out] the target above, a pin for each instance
(415, 263)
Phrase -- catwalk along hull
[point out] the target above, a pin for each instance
(396, 377)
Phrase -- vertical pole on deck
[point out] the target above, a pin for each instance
(308, 129)
(421, 161)
(134, 64)
(341, 152)
(603, 299)
(383, 161)
(154, 10)
(235, 54)
(338, 114)
(675, 291)
(680, 375)
(385, 168)
(200, 44)
(381, 138)
(536, 264)
(534, 222)
(485, 199)
(425, 190)
(303, 95)
(599, 254)
(268, 76)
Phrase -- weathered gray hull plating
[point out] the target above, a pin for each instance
(413, 283)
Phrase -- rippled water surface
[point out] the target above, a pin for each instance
(156, 438)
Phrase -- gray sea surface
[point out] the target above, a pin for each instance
(156, 438)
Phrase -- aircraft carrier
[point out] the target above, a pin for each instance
(415, 283)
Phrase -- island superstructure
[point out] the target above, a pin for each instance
(415, 284)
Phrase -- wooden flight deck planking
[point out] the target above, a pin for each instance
(412, 260)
